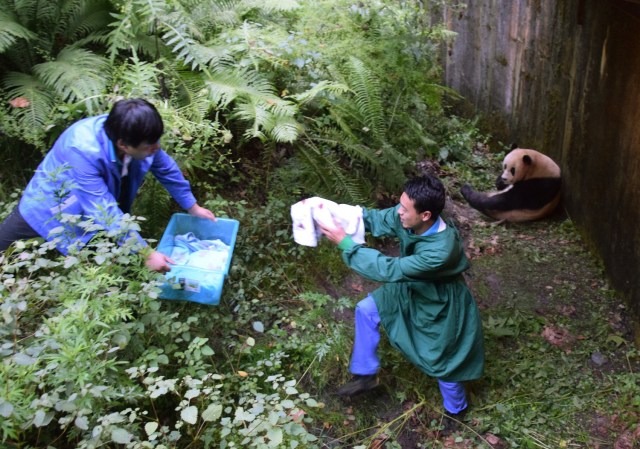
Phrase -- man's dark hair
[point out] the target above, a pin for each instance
(134, 121)
(427, 194)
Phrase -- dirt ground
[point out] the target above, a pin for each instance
(542, 267)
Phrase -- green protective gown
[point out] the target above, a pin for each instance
(424, 305)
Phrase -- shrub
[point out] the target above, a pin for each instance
(90, 356)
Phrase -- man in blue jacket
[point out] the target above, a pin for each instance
(94, 170)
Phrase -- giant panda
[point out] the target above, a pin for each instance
(528, 188)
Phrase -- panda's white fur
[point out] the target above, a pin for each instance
(528, 188)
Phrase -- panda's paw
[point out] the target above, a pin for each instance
(466, 191)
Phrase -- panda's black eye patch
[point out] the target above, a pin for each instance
(513, 171)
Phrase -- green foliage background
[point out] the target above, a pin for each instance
(344, 96)
(265, 102)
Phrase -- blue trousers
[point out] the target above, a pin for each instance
(364, 359)
(14, 228)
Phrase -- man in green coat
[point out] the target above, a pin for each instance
(424, 305)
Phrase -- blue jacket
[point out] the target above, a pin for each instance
(81, 175)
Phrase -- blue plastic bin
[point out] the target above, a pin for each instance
(190, 283)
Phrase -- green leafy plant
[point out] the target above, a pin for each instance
(92, 357)
(46, 55)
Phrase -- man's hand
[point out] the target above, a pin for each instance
(158, 262)
(201, 212)
(335, 234)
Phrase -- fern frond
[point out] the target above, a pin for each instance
(256, 112)
(375, 160)
(324, 175)
(191, 95)
(151, 9)
(285, 129)
(350, 145)
(269, 6)
(41, 100)
(24, 11)
(134, 27)
(184, 37)
(139, 78)
(383, 163)
(224, 12)
(213, 56)
(366, 88)
(392, 157)
(282, 108)
(123, 32)
(76, 74)
(185, 47)
(280, 127)
(11, 30)
(323, 86)
(416, 129)
(225, 86)
(80, 18)
(348, 117)
(256, 103)
(154, 203)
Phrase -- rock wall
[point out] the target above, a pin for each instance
(563, 77)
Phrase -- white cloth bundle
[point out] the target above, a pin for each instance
(307, 213)
(206, 254)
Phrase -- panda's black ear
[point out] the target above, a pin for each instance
(527, 159)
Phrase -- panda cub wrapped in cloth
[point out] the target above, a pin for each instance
(528, 188)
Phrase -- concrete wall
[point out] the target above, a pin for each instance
(563, 77)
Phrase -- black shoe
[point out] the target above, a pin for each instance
(358, 384)
(453, 421)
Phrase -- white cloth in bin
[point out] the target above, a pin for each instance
(190, 251)
(307, 213)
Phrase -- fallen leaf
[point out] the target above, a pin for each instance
(20, 102)
(557, 336)
(492, 439)
(408, 405)
(568, 310)
(297, 415)
(625, 441)
(615, 319)
(378, 443)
